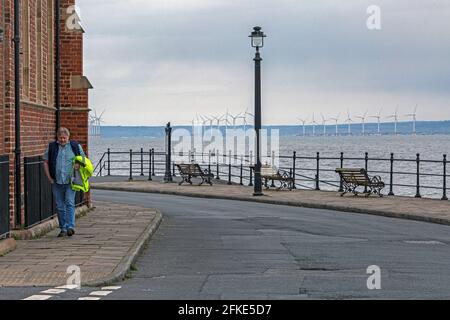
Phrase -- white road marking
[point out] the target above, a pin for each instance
(53, 291)
(68, 286)
(38, 297)
(111, 288)
(89, 298)
(100, 293)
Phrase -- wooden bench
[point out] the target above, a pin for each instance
(352, 178)
(190, 170)
(272, 173)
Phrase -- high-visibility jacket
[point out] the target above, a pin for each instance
(80, 178)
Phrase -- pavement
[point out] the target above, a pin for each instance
(107, 241)
(420, 209)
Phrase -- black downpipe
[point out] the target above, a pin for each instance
(57, 63)
(17, 151)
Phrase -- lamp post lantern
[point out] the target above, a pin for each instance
(257, 41)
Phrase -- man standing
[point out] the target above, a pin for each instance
(58, 168)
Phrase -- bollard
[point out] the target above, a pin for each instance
(109, 162)
(229, 172)
(418, 177)
(391, 183)
(444, 194)
(251, 177)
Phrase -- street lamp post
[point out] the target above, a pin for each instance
(257, 41)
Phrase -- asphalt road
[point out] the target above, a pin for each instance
(220, 249)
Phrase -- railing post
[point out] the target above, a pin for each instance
(444, 189)
(294, 158)
(251, 177)
(153, 161)
(366, 166)
(391, 184)
(209, 161)
(418, 177)
(131, 165)
(168, 173)
(341, 182)
(217, 165)
(242, 171)
(229, 168)
(109, 162)
(272, 185)
(318, 171)
(142, 162)
(150, 165)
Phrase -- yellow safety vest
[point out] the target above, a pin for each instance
(81, 183)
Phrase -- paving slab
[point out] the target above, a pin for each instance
(44, 261)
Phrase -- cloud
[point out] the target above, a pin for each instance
(168, 60)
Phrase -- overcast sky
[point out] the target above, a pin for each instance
(154, 61)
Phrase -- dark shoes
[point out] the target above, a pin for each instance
(62, 234)
(70, 232)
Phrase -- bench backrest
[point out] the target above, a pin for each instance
(357, 176)
(190, 168)
(267, 170)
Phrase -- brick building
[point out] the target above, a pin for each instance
(39, 107)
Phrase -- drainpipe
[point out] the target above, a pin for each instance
(17, 151)
(57, 63)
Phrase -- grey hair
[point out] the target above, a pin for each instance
(63, 132)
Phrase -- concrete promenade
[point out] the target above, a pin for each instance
(428, 210)
(107, 241)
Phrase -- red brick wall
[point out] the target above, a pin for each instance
(2, 88)
(74, 102)
(37, 109)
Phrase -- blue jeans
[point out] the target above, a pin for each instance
(65, 205)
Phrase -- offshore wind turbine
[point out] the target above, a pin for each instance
(314, 123)
(324, 124)
(227, 122)
(378, 117)
(238, 116)
(395, 117)
(414, 117)
(303, 125)
(363, 122)
(336, 120)
(349, 122)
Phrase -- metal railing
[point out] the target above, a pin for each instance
(39, 200)
(415, 177)
(4, 196)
